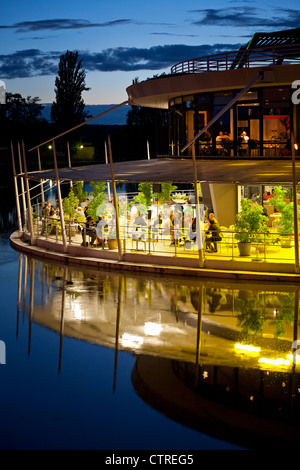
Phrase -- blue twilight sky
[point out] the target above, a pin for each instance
(120, 40)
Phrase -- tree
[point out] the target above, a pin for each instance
(98, 199)
(147, 124)
(68, 109)
(20, 118)
(78, 191)
(22, 110)
(70, 204)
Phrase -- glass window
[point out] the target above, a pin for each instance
(202, 99)
(276, 115)
(249, 96)
(220, 99)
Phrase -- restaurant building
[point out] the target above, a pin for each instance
(233, 132)
(252, 91)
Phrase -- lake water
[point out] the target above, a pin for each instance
(68, 393)
(109, 361)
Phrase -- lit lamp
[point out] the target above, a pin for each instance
(296, 148)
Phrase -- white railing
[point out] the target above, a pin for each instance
(262, 56)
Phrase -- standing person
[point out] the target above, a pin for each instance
(244, 139)
(46, 213)
(134, 212)
(47, 209)
(214, 230)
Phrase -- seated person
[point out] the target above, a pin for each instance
(219, 140)
(89, 230)
(177, 227)
(101, 225)
(189, 226)
(214, 230)
(138, 227)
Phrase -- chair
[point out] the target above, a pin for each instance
(226, 237)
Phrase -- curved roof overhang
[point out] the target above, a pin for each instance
(156, 92)
(177, 170)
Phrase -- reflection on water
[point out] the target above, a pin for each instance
(213, 355)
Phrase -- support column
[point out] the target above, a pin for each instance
(296, 231)
(198, 221)
(69, 161)
(41, 181)
(16, 188)
(22, 183)
(29, 209)
(106, 161)
(115, 200)
(61, 213)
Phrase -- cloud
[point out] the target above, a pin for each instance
(175, 34)
(34, 62)
(28, 63)
(154, 58)
(243, 16)
(61, 24)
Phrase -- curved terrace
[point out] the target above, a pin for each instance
(249, 79)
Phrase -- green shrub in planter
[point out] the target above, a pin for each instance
(69, 205)
(286, 228)
(250, 223)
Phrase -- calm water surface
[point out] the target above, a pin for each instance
(68, 393)
(92, 358)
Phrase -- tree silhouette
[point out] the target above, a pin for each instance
(21, 118)
(68, 109)
(22, 110)
(146, 124)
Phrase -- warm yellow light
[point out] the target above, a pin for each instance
(131, 340)
(78, 313)
(274, 362)
(292, 358)
(296, 146)
(152, 329)
(247, 347)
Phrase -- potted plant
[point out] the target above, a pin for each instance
(69, 206)
(79, 193)
(99, 197)
(112, 238)
(249, 225)
(286, 222)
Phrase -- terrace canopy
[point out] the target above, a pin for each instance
(173, 170)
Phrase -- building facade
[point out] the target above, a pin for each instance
(253, 121)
